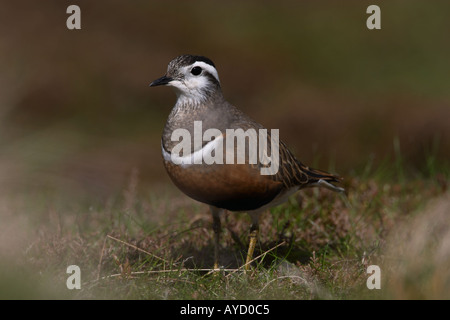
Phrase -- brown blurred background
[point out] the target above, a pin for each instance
(77, 115)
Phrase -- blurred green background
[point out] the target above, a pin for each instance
(77, 115)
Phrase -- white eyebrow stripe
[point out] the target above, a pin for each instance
(208, 68)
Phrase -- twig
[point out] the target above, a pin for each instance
(137, 248)
(99, 267)
(157, 272)
(261, 255)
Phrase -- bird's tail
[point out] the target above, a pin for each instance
(319, 178)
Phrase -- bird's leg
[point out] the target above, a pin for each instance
(254, 230)
(217, 227)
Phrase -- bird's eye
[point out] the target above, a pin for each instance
(196, 71)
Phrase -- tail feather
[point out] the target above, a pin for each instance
(321, 179)
(294, 173)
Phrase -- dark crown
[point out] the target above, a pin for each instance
(188, 59)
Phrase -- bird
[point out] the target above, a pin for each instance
(236, 187)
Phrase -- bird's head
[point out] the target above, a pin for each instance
(194, 78)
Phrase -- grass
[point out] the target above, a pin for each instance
(318, 245)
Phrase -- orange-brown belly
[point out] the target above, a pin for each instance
(235, 187)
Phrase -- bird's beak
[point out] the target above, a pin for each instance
(161, 81)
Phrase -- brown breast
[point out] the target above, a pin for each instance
(235, 187)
